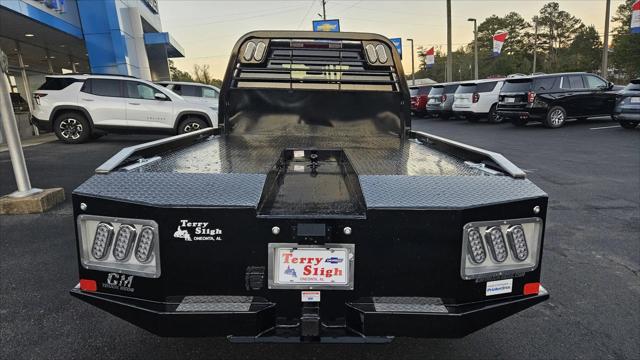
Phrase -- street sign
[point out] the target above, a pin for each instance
(397, 42)
(326, 25)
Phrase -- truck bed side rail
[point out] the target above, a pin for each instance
(469, 153)
(153, 148)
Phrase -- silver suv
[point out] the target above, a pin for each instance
(74, 106)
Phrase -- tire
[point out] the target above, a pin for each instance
(493, 115)
(556, 117)
(519, 122)
(191, 124)
(629, 124)
(72, 127)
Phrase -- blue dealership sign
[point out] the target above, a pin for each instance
(326, 25)
(398, 44)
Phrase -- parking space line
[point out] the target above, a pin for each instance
(605, 127)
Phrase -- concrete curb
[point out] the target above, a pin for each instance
(37, 203)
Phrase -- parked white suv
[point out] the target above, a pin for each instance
(476, 99)
(74, 106)
(194, 92)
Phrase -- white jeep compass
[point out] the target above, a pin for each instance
(74, 106)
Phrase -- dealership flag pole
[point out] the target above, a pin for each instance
(12, 136)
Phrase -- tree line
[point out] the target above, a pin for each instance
(564, 43)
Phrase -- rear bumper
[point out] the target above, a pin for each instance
(252, 319)
(516, 114)
(627, 114)
(42, 125)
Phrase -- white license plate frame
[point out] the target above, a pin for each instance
(509, 99)
(634, 99)
(277, 279)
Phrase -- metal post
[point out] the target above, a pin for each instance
(449, 47)
(11, 134)
(26, 86)
(25, 79)
(73, 65)
(535, 44)
(49, 64)
(324, 10)
(605, 48)
(475, 46)
(413, 72)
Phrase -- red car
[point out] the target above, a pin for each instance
(419, 95)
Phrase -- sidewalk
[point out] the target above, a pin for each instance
(32, 141)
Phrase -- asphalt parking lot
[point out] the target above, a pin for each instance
(591, 263)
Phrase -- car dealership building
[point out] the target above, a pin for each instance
(43, 37)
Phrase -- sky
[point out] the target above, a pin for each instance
(208, 29)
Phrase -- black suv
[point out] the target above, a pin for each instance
(552, 98)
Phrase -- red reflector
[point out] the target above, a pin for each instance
(531, 288)
(88, 285)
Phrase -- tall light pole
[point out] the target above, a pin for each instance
(449, 50)
(413, 73)
(605, 48)
(475, 46)
(535, 43)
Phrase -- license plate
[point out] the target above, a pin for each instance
(509, 99)
(328, 266)
(635, 99)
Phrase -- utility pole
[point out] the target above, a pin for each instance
(535, 43)
(449, 51)
(413, 72)
(605, 48)
(324, 10)
(475, 45)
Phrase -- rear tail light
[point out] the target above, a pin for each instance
(124, 239)
(531, 96)
(517, 242)
(500, 247)
(477, 252)
(106, 244)
(38, 96)
(443, 98)
(144, 248)
(476, 97)
(496, 243)
(102, 241)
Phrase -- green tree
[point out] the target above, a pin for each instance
(625, 46)
(177, 74)
(584, 53)
(556, 30)
(202, 74)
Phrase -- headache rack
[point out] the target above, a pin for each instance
(316, 65)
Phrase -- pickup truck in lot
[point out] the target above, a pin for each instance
(313, 214)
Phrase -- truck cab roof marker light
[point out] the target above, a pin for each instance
(249, 50)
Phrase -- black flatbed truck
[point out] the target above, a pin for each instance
(314, 213)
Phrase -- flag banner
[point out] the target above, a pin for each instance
(635, 17)
(429, 57)
(498, 40)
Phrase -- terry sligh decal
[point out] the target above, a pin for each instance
(197, 231)
(121, 282)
